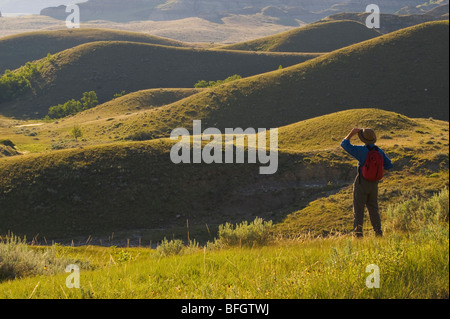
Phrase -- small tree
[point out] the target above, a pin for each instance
(77, 132)
(71, 107)
(89, 100)
(201, 84)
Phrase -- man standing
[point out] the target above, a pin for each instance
(365, 188)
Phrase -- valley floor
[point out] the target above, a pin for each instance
(234, 29)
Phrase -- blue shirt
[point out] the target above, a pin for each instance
(361, 152)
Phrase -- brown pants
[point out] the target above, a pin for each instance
(365, 193)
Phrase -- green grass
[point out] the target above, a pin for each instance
(316, 37)
(333, 214)
(412, 265)
(100, 124)
(329, 130)
(18, 260)
(414, 213)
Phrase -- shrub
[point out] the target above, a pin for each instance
(89, 100)
(59, 145)
(117, 95)
(403, 216)
(18, 260)
(257, 233)
(169, 248)
(71, 107)
(15, 83)
(210, 84)
(201, 84)
(140, 136)
(436, 209)
(76, 132)
(50, 58)
(416, 213)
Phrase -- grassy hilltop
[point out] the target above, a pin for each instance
(109, 67)
(301, 269)
(315, 37)
(16, 50)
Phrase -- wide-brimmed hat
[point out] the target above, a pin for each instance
(367, 135)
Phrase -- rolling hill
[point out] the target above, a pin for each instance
(392, 22)
(288, 11)
(316, 37)
(437, 9)
(404, 72)
(439, 12)
(133, 190)
(109, 67)
(134, 102)
(16, 50)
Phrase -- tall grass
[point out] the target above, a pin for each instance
(412, 265)
(170, 247)
(19, 260)
(256, 233)
(416, 213)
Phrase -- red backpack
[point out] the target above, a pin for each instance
(372, 169)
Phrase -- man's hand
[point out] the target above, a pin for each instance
(352, 133)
